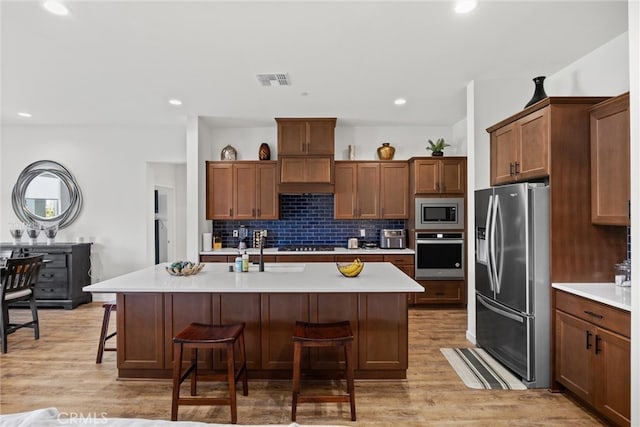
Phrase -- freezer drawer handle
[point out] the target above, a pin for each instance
(502, 312)
(588, 343)
(591, 313)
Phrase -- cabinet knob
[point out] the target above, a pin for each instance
(588, 336)
(511, 169)
(230, 212)
(517, 167)
(598, 349)
(253, 212)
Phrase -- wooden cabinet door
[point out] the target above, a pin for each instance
(318, 170)
(427, 176)
(321, 136)
(394, 190)
(332, 308)
(503, 152)
(219, 191)
(344, 198)
(613, 374)
(574, 351)
(245, 307)
(292, 137)
(279, 313)
(382, 315)
(267, 191)
(140, 342)
(244, 185)
(368, 190)
(180, 310)
(533, 146)
(441, 292)
(453, 176)
(610, 168)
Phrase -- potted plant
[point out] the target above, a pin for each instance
(437, 147)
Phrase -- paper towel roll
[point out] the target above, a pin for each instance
(207, 242)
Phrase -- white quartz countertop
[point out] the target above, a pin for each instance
(317, 277)
(606, 293)
(336, 251)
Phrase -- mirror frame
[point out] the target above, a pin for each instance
(28, 174)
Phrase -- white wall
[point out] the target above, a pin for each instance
(110, 165)
(409, 141)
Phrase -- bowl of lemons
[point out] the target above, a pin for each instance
(184, 268)
(350, 269)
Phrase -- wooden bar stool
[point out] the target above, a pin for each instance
(200, 336)
(337, 334)
(102, 345)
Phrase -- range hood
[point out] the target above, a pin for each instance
(305, 188)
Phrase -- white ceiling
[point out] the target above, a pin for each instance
(119, 62)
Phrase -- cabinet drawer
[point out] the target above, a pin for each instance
(446, 292)
(51, 290)
(55, 261)
(53, 275)
(216, 258)
(597, 313)
(363, 258)
(399, 259)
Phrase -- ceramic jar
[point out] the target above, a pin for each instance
(228, 153)
(264, 152)
(386, 151)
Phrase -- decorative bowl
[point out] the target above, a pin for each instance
(350, 269)
(184, 268)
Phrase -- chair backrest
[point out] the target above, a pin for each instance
(20, 273)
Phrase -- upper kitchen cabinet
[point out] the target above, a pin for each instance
(242, 190)
(305, 136)
(610, 169)
(371, 190)
(520, 149)
(445, 175)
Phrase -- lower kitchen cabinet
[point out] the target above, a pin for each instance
(64, 274)
(441, 292)
(592, 355)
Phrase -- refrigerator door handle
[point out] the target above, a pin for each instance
(496, 310)
(492, 247)
(499, 264)
(487, 227)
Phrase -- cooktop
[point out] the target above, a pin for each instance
(305, 248)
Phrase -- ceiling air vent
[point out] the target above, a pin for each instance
(281, 79)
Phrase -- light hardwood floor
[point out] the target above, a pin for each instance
(59, 370)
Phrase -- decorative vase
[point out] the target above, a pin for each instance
(228, 153)
(386, 151)
(539, 92)
(264, 153)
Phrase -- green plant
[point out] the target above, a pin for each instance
(438, 146)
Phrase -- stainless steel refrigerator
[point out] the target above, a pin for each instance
(512, 278)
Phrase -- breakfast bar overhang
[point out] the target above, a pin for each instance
(152, 306)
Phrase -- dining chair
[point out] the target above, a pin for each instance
(18, 279)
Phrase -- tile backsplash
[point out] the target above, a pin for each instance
(306, 219)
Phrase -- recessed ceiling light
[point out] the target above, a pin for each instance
(25, 114)
(400, 101)
(465, 6)
(175, 102)
(56, 7)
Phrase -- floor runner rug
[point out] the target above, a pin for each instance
(478, 370)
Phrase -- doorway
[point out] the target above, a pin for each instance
(163, 224)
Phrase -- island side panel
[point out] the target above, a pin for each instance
(140, 333)
(383, 333)
(333, 308)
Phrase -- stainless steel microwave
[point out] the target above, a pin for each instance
(439, 213)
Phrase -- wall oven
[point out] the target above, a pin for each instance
(439, 256)
(439, 213)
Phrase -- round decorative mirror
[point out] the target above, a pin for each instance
(47, 194)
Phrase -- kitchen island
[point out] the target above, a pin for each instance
(153, 306)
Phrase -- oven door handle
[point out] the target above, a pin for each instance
(439, 241)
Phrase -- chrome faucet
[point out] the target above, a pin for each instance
(262, 242)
